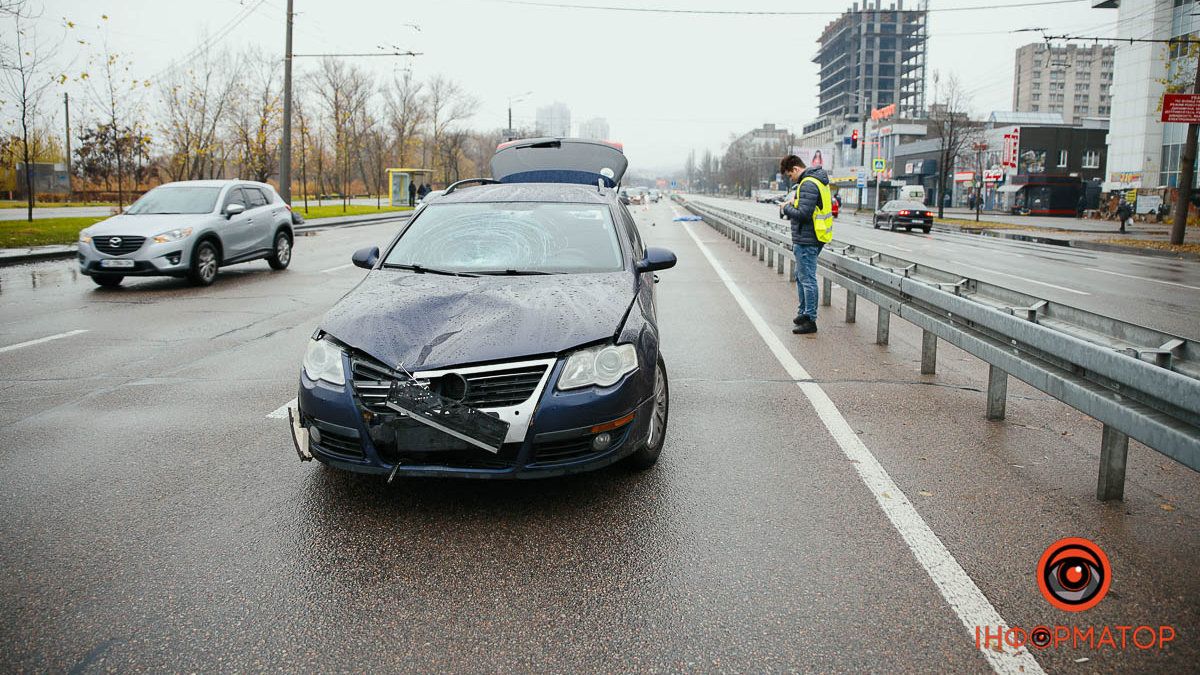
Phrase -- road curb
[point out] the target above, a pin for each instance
(10, 257)
(1082, 244)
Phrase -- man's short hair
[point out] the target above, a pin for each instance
(790, 162)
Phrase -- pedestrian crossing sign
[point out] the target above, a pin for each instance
(878, 165)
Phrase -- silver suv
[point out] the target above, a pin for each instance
(189, 229)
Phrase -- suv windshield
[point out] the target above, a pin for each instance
(176, 200)
(510, 237)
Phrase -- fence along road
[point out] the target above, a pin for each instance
(1138, 382)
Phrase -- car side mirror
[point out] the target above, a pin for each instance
(234, 209)
(656, 259)
(366, 257)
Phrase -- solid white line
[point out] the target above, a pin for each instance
(280, 413)
(1039, 283)
(899, 248)
(957, 588)
(41, 340)
(1131, 276)
(339, 267)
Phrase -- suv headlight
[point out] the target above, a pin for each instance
(602, 366)
(323, 361)
(173, 235)
(85, 237)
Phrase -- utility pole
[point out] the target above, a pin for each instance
(862, 148)
(979, 149)
(285, 145)
(1187, 174)
(67, 117)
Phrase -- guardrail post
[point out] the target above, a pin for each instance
(779, 256)
(997, 393)
(770, 257)
(791, 267)
(826, 291)
(762, 251)
(851, 305)
(882, 320)
(928, 353)
(1114, 449)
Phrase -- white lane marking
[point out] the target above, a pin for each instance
(41, 340)
(339, 267)
(899, 248)
(1039, 283)
(1133, 276)
(957, 588)
(280, 413)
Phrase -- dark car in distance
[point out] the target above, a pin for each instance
(521, 307)
(900, 213)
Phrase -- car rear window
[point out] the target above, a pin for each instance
(176, 200)
(517, 236)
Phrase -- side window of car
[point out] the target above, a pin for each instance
(234, 196)
(635, 238)
(256, 197)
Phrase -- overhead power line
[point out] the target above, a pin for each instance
(1096, 38)
(742, 12)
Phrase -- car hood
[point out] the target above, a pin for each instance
(147, 225)
(428, 322)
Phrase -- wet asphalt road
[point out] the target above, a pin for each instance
(156, 519)
(1158, 292)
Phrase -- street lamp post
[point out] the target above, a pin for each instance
(979, 150)
(515, 98)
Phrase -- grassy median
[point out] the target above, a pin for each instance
(335, 210)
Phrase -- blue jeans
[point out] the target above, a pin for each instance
(806, 279)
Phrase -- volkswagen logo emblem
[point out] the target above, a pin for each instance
(114, 242)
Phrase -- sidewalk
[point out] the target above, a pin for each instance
(17, 256)
(1101, 235)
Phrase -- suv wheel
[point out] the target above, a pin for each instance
(645, 456)
(282, 253)
(205, 263)
(108, 280)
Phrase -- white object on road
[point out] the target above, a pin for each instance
(281, 413)
(41, 340)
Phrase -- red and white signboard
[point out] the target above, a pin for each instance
(964, 176)
(1012, 148)
(992, 175)
(1181, 108)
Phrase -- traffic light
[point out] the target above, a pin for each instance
(854, 139)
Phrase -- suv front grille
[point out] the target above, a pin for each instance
(117, 244)
(499, 388)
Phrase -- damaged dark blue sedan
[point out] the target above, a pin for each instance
(507, 331)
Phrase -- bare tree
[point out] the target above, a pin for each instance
(256, 118)
(196, 102)
(344, 91)
(950, 123)
(448, 106)
(406, 112)
(26, 80)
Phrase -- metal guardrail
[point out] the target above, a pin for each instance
(1139, 382)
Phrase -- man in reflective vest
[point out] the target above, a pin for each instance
(810, 208)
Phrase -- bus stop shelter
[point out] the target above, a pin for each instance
(400, 179)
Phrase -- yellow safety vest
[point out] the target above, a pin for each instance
(822, 212)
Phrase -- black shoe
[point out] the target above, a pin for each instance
(808, 326)
(799, 320)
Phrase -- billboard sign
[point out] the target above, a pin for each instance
(822, 157)
(1181, 108)
(1011, 148)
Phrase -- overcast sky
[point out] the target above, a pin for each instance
(667, 83)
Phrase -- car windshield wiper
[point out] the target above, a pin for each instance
(421, 269)
(515, 272)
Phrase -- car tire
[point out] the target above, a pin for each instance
(875, 222)
(926, 229)
(645, 457)
(281, 253)
(206, 262)
(892, 224)
(108, 280)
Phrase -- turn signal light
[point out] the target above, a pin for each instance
(615, 424)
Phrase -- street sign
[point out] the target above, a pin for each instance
(1181, 108)
(878, 165)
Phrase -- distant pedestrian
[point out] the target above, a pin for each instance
(1080, 206)
(412, 194)
(1125, 214)
(811, 214)
(1161, 211)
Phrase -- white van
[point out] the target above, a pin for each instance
(914, 193)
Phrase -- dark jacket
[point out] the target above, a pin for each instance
(1124, 210)
(803, 233)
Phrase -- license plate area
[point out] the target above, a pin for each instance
(119, 264)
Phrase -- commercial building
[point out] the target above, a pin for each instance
(554, 120)
(1144, 152)
(595, 129)
(871, 57)
(1074, 80)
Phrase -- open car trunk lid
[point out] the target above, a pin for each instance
(559, 160)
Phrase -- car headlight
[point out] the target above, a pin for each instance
(602, 366)
(323, 361)
(85, 237)
(173, 235)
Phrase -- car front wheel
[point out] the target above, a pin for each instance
(205, 264)
(645, 456)
(282, 253)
